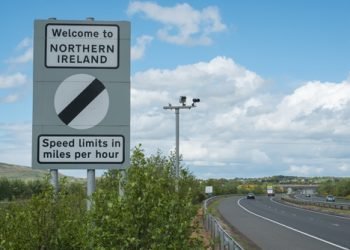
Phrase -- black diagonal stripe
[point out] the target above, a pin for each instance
(81, 101)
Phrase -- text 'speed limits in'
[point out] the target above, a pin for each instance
(81, 149)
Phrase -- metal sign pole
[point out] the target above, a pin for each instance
(54, 179)
(121, 180)
(177, 164)
(91, 187)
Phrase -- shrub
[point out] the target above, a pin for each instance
(150, 214)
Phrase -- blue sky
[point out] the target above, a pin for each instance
(273, 78)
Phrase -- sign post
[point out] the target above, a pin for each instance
(81, 96)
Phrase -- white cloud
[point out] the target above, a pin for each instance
(219, 78)
(25, 47)
(190, 27)
(259, 157)
(25, 43)
(344, 168)
(15, 143)
(141, 97)
(10, 98)
(25, 57)
(305, 170)
(194, 150)
(307, 108)
(238, 113)
(138, 50)
(10, 81)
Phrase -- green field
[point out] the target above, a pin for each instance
(12, 172)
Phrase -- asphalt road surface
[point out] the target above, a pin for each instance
(276, 226)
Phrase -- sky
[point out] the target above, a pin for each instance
(272, 77)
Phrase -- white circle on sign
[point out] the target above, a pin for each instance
(81, 101)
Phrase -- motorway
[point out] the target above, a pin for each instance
(272, 225)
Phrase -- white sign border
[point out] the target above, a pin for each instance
(84, 135)
(82, 67)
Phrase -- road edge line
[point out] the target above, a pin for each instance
(290, 228)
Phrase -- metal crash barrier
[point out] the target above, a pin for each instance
(340, 206)
(220, 237)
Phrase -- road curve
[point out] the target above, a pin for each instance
(272, 225)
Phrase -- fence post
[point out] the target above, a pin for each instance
(207, 222)
(221, 237)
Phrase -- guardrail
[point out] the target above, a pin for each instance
(221, 238)
(317, 203)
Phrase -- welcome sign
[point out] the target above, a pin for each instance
(81, 94)
(83, 45)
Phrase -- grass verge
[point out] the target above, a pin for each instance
(240, 238)
(332, 211)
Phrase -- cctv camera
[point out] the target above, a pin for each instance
(196, 100)
(182, 100)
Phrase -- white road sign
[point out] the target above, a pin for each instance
(81, 149)
(81, 94)
(82, 46)
(209, 189)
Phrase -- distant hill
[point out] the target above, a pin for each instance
(11, 171)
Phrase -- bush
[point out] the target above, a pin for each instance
(19, 189)
(150, 214)
(47, 221)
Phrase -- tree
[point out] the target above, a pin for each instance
(5, 189)
(151, 215)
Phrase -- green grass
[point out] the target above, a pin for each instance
(16, 172)
(212, 207)
(12, 172)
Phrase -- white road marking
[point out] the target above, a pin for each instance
(291, 228)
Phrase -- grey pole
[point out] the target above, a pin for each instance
(91, 186)
(54, 172)
(91, 180)
(121, 180)
(54, 179)
(177, 131)
(177, 164)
